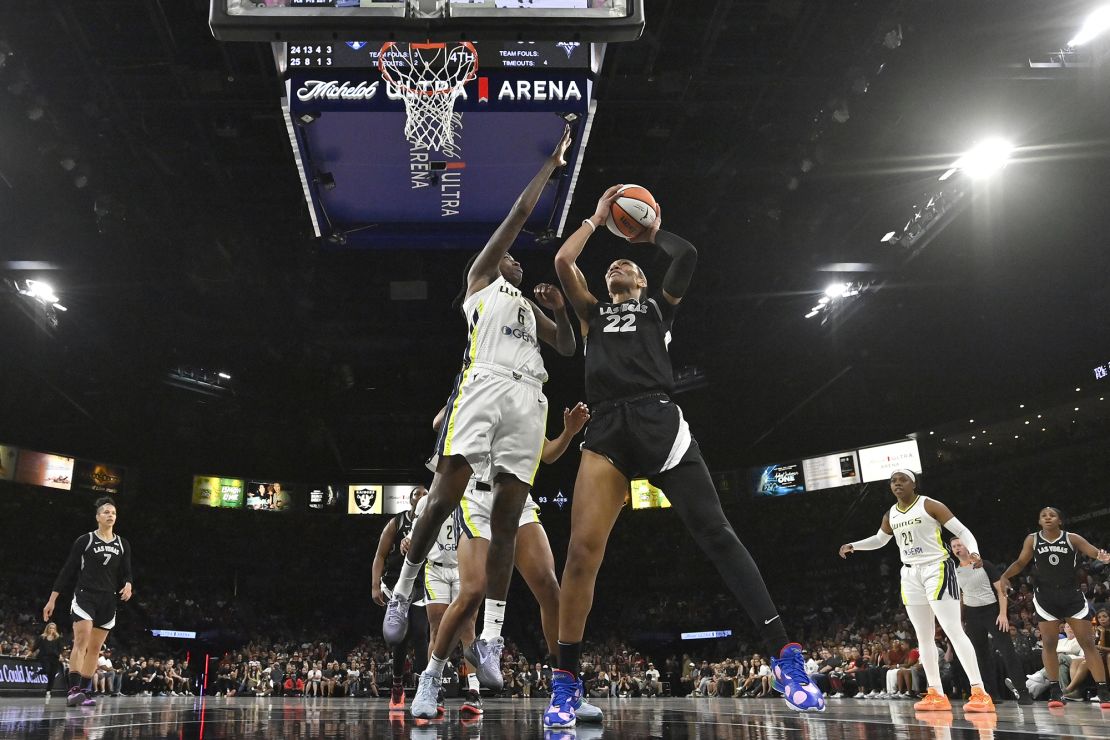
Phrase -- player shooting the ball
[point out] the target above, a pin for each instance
(637, 431)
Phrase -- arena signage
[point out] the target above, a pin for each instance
(17, 674)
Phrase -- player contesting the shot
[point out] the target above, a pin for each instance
(100, 562)
(637, 431)
(497, 412)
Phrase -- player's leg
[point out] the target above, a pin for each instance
(462, 611)
(1004, 644)
(537, 567)
(945, 603)
(600, 489)
(694, 497)
(978, 622)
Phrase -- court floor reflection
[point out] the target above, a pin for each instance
(138, 718)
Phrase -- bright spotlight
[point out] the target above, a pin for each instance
(985, 158)
(1097, 23)
(836, 290)
(40, 291)
(225, 376)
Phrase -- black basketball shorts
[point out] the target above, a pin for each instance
(1061, 604)
(99, 607)
(641, 435)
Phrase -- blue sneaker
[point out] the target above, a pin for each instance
(788, 676)
(560, 713)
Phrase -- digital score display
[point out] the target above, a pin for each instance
(491, 54)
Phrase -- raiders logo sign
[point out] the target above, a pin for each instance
(365, 498)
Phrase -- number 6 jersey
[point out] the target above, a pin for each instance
(626, 349)
(917, 534)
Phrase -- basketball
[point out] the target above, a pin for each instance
(633, 210)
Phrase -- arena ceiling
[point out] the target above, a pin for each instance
(784, 138)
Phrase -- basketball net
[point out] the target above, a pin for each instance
(430, 77)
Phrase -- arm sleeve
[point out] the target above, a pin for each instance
(874, 542)
(956, 527)
(684, 258)
(73, 564)
(125, 569)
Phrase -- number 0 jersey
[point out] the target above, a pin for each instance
(626, 349)
(1055, 560)
(917, 534)
(503, 330)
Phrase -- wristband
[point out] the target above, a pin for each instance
(589, 222)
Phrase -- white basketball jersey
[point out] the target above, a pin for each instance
(445, 550)
(503, 330)
(917, 534)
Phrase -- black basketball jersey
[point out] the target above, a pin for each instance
(1055, 561)
(394, 559)
(626, 349)
(100, 565)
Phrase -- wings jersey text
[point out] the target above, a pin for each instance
(626, 349)
(502, 328)
(444, 551)
(917, 534)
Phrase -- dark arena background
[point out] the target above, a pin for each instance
(225, 301)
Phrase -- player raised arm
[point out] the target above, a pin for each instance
(486, 267)
(1094, 553)
(566, 259)
(1018, 565)
(684, 258)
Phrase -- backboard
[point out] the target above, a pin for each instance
(427, 20)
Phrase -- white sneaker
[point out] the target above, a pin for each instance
(860, 695)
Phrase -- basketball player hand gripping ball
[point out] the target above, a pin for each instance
(929, 584)
(637, 431)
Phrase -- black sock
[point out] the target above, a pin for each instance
(73, 679)
(570, 657)
(774, 636)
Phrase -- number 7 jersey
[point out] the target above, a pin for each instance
(626, 349)
(917, 534)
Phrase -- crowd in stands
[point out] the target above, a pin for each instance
(325, 641)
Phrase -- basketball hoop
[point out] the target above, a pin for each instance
(429, 77)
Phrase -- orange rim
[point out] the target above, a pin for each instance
(388, 45)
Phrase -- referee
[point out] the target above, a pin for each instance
(986, 624)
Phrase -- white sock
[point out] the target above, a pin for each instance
(494, 619)
(472, 681)
(408, 575)
(435, 666)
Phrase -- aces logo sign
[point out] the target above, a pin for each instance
(364, 499)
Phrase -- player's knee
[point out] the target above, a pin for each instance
(584, 556)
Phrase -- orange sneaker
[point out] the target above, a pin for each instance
(980, 701)
(397, 698)
(934, 701)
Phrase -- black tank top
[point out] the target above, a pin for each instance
(394, 559)
(1055, 561)
(626, 349)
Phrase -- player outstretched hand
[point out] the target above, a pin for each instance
(559, 156)
(647, 236)
(604, 204)
(846, 550)
(125, 592)
(1103, 556)
(574, 419)
(549, 297)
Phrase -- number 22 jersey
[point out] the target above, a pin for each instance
(626, 349)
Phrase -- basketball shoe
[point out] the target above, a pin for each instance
(933, 701)
(425, 704)
(75, 697)
(980, 701)
(1055, 697)
(485, 656)
(789, 677)
(396, 623)
(473, 702)
(1103, 696)
(397, 697)
(561, 713)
